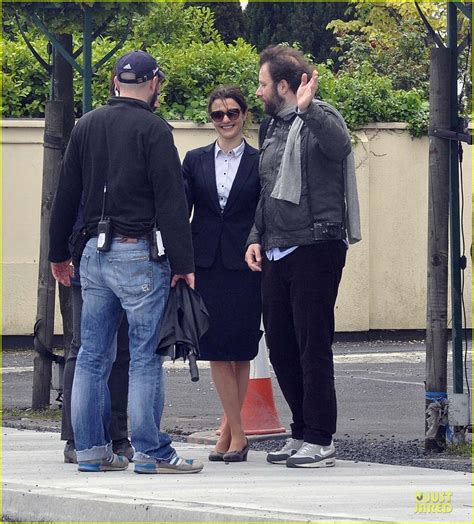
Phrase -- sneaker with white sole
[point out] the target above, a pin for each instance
(288, 450)
(112, 463)
(313, 456)
(174, 465)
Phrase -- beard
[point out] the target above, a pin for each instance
(155, 96)
(275, 104)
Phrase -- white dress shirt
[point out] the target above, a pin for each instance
(226, 165)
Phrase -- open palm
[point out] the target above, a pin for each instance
(306, 90)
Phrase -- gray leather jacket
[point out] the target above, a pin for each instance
(321, 211)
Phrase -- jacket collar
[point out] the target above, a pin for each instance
(245, 168)
(116, 100)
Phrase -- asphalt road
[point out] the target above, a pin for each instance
(379, 387)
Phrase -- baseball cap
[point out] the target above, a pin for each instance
(137, 67)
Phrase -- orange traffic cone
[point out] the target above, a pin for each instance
(259, 414)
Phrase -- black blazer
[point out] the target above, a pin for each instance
(210, 226)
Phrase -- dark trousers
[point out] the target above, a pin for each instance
(298, 296)
(118, 380)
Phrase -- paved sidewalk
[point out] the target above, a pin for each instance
(37, 486)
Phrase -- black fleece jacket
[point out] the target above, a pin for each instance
(127, 147)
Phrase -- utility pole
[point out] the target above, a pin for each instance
(446, 133)
(44, 329)
(438, 220)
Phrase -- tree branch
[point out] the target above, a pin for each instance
(38, 57)
(432, 33)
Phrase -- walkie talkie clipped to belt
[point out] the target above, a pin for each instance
(104, 229)
(157, 248)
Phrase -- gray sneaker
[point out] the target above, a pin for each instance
(313, 456)
(124, 448)
(113, 463)
(175, 465)
(288, 450)
(70, 453)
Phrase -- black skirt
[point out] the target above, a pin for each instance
(233, 300)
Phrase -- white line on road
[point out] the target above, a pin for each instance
(178, 364)
(383, 358)
(16, 370)
(383, 380)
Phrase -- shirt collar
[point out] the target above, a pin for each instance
(237, 151)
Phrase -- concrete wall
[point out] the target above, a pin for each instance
(384, 284)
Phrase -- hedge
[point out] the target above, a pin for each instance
(362, 96)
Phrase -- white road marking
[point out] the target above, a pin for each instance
(383, 380)
(355, 358)
(16, 370)
(178, 364)
(385, 358)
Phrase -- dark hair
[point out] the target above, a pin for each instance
(223, 92)
(286, 63)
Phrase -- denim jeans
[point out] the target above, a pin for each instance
(124, 277)
(118, 381)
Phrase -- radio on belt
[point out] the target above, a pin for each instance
(104, 235)
(157, 248)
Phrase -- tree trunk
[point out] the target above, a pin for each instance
(438, 221)
(53, 146)
(63, 90)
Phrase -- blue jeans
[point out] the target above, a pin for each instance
(123, 277)
(118, 381)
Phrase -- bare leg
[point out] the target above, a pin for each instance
(231, 380)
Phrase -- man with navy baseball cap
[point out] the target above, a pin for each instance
(122, 158)
(137, 67)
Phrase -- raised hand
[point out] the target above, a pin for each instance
(306, 91)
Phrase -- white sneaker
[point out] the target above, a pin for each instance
(313, 456)
(288, 450)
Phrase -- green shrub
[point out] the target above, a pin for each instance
(195, 69)
(363, 96)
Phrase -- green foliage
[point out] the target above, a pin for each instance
(460, 450)
(171, 23)
(364, 96)
(196, 60)
(402, 56)
(303, 22)
(67, 17)
(392, 37)
(25, 82)
(197, 69)
(228, 18)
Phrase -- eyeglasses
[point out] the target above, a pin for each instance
(231, 114)
(160, 74)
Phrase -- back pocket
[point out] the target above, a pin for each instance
(133, 273)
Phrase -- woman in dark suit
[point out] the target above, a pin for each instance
(223, 186)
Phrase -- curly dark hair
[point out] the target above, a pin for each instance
(286, 63)
(223, 92)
